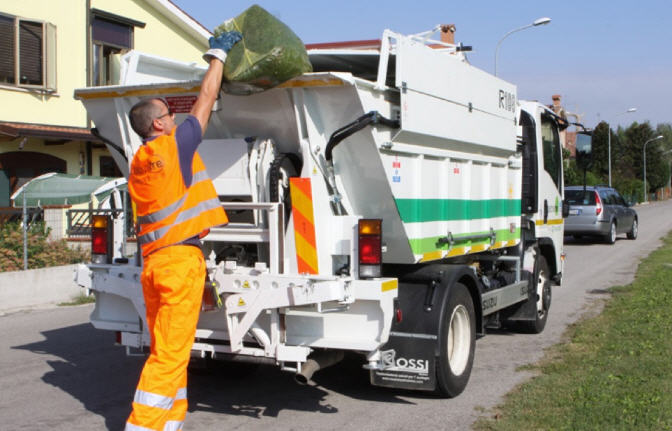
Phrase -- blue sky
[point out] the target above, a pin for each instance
(602, 56)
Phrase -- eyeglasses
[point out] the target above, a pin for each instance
(161, 116)
(169, 112)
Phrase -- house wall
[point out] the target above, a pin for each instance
(28, 106)
(160, 36)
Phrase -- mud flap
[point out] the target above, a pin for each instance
(409, 362)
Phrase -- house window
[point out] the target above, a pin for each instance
(108, 168)
(27, 53)
(109, 38)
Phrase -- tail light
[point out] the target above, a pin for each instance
(598, 204)
(370, 247)
(101, 241)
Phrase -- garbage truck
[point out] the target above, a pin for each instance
(397, 202)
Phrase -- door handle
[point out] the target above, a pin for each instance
(545, 211)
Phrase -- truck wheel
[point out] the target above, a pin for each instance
(633, 230)
(610, 238)
(541, 282)
(457, 341)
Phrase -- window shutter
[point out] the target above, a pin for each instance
(7, 50)
(30, 53)
(50, 58)
(112, 33)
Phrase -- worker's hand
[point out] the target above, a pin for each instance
(221, 45)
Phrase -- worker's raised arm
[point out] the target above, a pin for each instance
(212, 81)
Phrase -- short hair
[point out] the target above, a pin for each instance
(142, 116)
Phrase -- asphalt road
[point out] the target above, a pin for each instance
(59, 373)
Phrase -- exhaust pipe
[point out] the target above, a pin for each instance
(317, 361)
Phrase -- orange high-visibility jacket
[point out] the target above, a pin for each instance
(168, 211)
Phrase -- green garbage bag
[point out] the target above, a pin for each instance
(268, 55)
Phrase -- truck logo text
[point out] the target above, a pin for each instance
(507, 101)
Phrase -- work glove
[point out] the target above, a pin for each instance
(221, 45)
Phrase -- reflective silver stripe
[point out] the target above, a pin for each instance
(181, 394)
(131, 427)
(165, 212)
(183, 216)
(173, 426)
(199, 176)
(153, 400)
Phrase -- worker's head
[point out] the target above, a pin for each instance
(151, 117)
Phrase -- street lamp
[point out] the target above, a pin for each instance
(609, 139)
(536, 23)
(644, 151)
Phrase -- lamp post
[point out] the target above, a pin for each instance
(644, 151)
(535, 23)
(609, 139)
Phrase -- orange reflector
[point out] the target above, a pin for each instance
(370, 227)
(99, 221)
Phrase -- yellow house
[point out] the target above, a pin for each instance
(48, 48)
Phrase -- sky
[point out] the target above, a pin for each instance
(603, 57)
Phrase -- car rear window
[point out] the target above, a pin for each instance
(579, 197)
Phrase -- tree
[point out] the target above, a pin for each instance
(600, 151)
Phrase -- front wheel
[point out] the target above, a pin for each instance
(541, 282)
(457, 342)
(632, 234)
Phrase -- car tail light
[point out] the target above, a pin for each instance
(598, 204)
(370, 247)
(101, 242)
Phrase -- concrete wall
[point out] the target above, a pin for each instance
(37, 287)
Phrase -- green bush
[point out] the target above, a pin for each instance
(41, 251)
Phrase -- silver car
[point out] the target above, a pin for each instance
(599, 211)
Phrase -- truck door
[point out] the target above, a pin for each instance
(549, 222)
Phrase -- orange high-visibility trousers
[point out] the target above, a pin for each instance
(172, 283)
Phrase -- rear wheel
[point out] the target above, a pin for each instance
(610, 238)
(632, 234)
(457, 342)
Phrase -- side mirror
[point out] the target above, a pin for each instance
(565, 209)
(584, 150)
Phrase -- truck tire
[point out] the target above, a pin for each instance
(541, 283)
(632, 234)
(457, 342)
(610, 237)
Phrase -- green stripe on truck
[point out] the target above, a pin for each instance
(426, 245)
(425, 210)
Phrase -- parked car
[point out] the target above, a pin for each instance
(599, 211)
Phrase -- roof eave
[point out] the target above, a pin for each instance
(182, 20)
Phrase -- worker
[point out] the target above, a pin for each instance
(176, 205)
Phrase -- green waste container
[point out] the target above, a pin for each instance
(268, 55)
